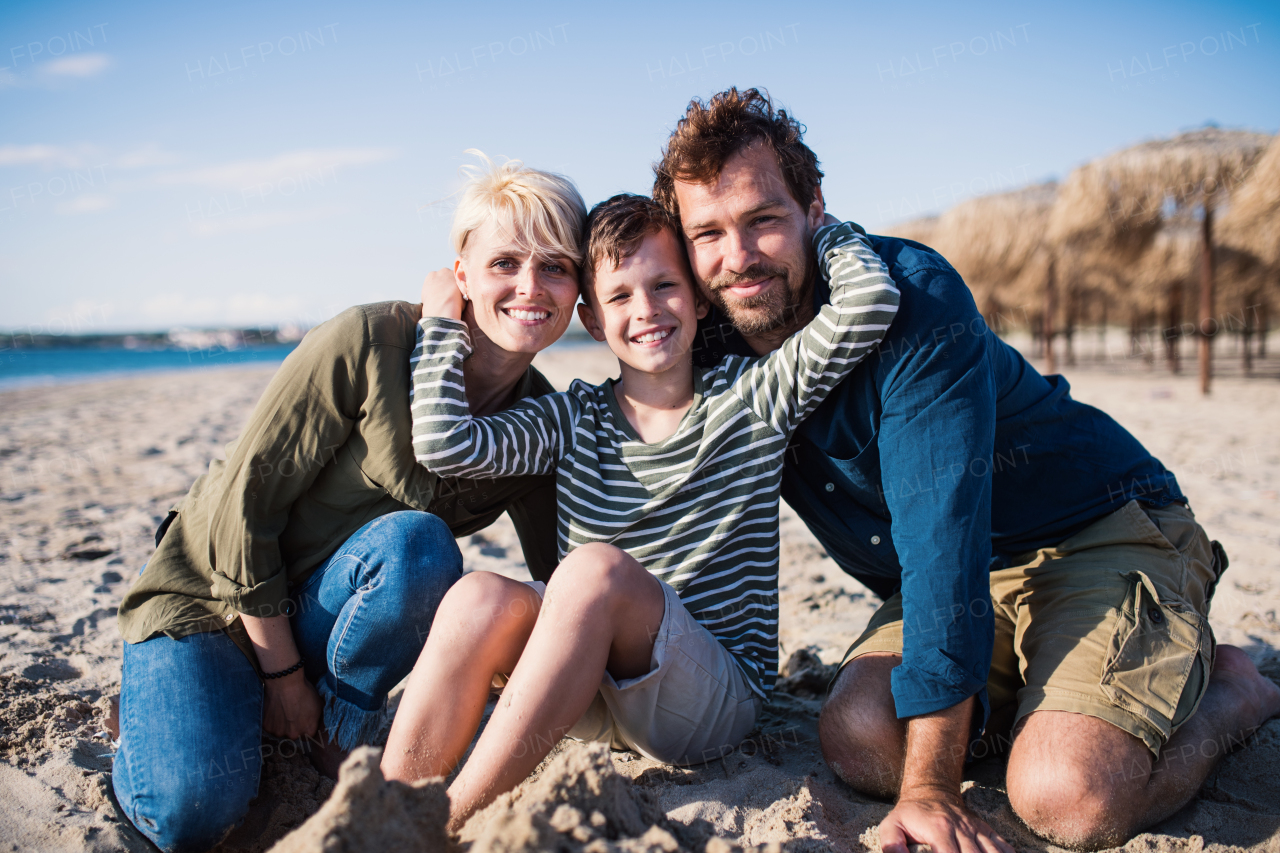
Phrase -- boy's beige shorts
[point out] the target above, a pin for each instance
(1112, 623)
(693, 705)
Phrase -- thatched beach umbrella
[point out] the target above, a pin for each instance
(1117, 205)
(1250, 246)
(996, 243)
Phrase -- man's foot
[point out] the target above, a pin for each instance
(1258, 695)
(327, 759)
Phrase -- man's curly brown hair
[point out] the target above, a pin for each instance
(712, 132)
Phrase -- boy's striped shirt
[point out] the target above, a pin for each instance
(700, 509)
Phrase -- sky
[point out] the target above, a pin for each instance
(243, 164)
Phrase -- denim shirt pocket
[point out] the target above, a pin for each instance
(860, 476)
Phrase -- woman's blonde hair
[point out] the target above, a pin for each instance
(543, 213)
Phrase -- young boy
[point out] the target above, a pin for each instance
(658, 631)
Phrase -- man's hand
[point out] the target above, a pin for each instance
(441, 296)
(292, 708)
(943, 822)
(930, 809)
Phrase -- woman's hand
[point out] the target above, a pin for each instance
(292, 707)
(441, 296)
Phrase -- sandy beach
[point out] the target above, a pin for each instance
(88, 470)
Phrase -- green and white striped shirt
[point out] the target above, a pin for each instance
(699, 509)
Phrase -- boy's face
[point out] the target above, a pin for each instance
(647, 309)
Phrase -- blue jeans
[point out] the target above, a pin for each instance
(191, 746)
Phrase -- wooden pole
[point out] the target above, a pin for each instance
(1050, 306)
(1173, 329)
(1206, 298)
(1247, 334)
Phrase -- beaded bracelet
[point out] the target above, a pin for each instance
(282, 673)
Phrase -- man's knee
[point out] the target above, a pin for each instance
(1069, 808)
(861, 736)
(1072, 779)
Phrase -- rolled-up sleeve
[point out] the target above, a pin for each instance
(936, 436)
(304, 418)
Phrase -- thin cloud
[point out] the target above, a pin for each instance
(88, 203)
(79, 65)
(57, 73)
(262, 220)
(239, 174)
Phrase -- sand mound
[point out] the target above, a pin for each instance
(579, 803)
(368, 813)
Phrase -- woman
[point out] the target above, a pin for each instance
(295, 584)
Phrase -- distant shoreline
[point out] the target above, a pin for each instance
(96, 358)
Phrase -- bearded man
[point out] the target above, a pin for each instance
(1043, 576)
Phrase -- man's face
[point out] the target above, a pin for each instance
(749, 242)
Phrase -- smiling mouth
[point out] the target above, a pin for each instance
(748, 288)
(526, 315)
(652, 337)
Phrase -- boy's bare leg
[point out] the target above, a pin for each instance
(602, 611)
(480, 629)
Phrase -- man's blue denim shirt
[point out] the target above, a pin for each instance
(942, 457)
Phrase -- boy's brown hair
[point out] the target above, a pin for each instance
(711, 133)
(615, 229)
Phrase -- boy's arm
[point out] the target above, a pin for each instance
(789, 383)
(528, 438)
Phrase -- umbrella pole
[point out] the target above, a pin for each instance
(1206, 299)
(1049, 308)
(1172, 332)
(1246, 332)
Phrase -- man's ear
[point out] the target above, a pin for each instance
(817, 211)
(460, 277)
(588, 317)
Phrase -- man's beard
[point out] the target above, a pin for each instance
(776, 308)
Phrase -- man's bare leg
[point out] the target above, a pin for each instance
(1082, 782)
(863, 741)
(480, 629)
(602, 611)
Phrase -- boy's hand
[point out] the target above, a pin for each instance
(441, 296)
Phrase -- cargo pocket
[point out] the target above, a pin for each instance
(1153, 650)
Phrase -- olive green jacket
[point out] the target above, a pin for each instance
(327, 449)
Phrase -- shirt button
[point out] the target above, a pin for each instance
(875, 540)
(831, 487)
(229, 617)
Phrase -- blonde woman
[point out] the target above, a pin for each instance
(296, 582)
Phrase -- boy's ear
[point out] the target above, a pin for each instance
(701, 304)
(588, 317)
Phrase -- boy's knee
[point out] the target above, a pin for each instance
(596, 570)
(484, 599)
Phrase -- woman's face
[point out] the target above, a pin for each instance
(522, 303)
